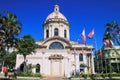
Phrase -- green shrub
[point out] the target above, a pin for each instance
(75, 76)
(93, 76)
(5, 79)
(118, 75)
(103, 75)
(28, 74)
(84, 76)
(110, 75)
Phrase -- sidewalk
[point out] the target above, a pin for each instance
(1, 75)
(47, 78)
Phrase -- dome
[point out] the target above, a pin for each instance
(56, 14)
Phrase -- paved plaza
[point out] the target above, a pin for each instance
(55, 78)
(47, 78)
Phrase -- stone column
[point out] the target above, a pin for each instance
(60, 67)
(51, 67)
(43, 59)
(85, 62)
(44, 32)
(50, 31)
(93, 68)
(89, 59)
(68, 34)
(77, 63)
(68, 67)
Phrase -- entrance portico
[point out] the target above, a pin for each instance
(56, 65)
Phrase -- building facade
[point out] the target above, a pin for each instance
(111, 59)
(57, 54)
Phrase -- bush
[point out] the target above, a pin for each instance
(84, 75)
(110, 75)
(103, 75)
(28, 74)
(5, 79)
(93, 76)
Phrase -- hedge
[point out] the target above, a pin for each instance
(97, 75)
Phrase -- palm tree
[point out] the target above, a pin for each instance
(112, 33)
(10, 27)
(26, 46)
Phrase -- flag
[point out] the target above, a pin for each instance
(90, 35)
(118, 32)
(118, 36)
(108, 43)
(83, 35)
(100, 53)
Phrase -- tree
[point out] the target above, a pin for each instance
(10, 60)
(112, 33)
(26, 46)
(10, 27)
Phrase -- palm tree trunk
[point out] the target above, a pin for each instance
(2, 65)
(24, 63)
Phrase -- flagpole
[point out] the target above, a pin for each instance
(90, 35)
(96, 50)
(95, 40)
(83, 36)
(93, 71)
(85, 61)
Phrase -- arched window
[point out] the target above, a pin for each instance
(80, 57)
(56, 31)
(56, 45)
(37, 68)
(47, 33)
(65, 33)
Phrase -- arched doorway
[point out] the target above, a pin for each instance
(37, 68)
(22, 67)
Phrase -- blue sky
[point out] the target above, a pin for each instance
(80, 13)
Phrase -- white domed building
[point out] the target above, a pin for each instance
(57, 55)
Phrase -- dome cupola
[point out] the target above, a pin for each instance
(56, 16)
(56, 24)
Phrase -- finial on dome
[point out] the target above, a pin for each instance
(56, 8)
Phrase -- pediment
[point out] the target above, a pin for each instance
(56, 56)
